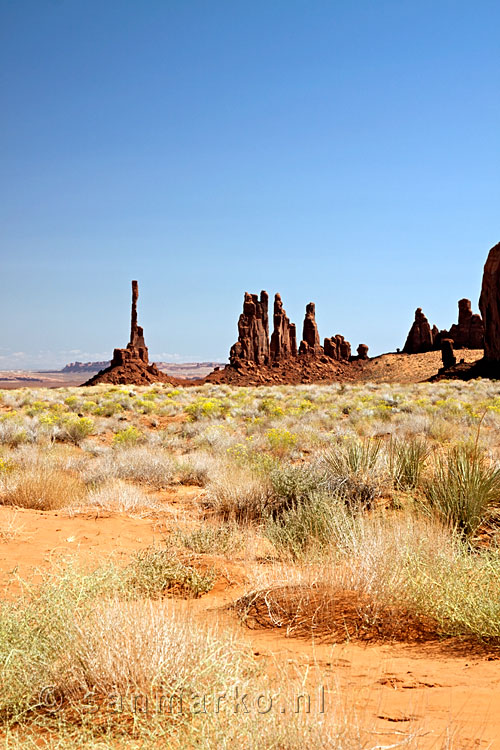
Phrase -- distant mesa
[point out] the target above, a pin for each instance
(187, 370)
(131, 365)
(258, 358)
(468, 333)
(86, 366)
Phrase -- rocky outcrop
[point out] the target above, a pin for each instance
(447, 353)
(489, 304)
(337, 348)
(284, 338)
(255, 360)
(420, 338)
(469, 332)
(131, 365)
(363, 352)
(469, 328)
(253, 332)
(310, 343)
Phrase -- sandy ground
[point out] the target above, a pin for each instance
(32, 379)
(394, 690)
(410, 368)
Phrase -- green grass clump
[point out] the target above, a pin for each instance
(352, 471)
(407, 461)
(307, 527)
(464, 489)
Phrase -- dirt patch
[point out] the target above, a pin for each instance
(333, 615)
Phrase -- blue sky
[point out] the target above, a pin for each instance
(345, 152)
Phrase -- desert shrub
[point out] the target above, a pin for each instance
(151, 466)
(281, 441)
(7, 465)
(456, 586)
(463, 489)
(407, 461)
(270, 407)
(156, 572)
(238, 493)
(352, 471)
(207, 408)
(116, 495)
(128, 436)
(195, 468)
(13, 430)
(77, 429)
(11, 527)
(218, 540)
(387, 577)
(291, 484)
(132, 674)
(307, 526)
(64, 634)
(44, 487)
(72, 402)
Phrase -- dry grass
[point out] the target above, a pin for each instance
(11, 528)
(397, 577)
(135, 674)
(116, 495)
(45, 487)
(237, 493)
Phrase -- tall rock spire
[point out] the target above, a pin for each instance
(137, 343)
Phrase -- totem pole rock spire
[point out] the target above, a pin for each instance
(137, 343)
(133, 323)
(131, 365)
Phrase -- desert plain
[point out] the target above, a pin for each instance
(274, 567)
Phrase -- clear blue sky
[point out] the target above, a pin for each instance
(342, 151)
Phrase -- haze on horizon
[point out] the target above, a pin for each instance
(344, 153)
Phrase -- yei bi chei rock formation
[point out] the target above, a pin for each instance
(131, 365)
(257, 357)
